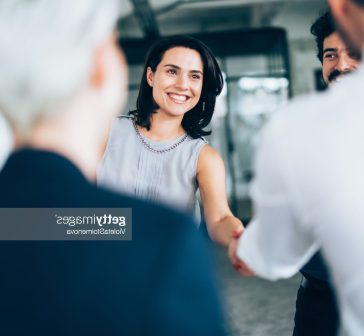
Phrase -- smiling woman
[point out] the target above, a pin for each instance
(158, 152)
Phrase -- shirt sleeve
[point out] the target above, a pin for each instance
(276, 244)
(6, 142)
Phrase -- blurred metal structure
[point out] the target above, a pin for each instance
(146, 17)
(143, 18)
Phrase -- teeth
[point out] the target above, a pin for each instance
(178, 97)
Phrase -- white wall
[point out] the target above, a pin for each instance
(297, 19)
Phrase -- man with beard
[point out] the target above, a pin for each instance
(316, 309)
(308, 191)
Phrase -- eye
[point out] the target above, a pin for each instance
(196, 76)
(171, 71)
(330, 56)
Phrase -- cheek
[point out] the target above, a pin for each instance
(197, 89)
(327, 68)
(157, 91)
(354, 64)
(160, 84)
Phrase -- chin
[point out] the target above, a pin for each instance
(176, 112)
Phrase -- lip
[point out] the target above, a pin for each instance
(178, 98)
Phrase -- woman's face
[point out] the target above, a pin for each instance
(177, 81)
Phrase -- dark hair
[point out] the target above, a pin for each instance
(322, 28)
(195, 120)
(359, 2)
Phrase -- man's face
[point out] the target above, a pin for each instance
(338, 59)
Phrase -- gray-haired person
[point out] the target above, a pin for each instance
(63, 79)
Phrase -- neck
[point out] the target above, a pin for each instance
(74, 133)
(164, 128)
(76, 149)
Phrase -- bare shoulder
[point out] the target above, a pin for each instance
(208, 159)
(209, 153)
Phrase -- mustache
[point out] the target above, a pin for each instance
(336, 73)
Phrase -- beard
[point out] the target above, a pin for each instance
(336, 73)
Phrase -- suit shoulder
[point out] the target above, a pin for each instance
(157, 214)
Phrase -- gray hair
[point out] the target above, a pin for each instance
(46, 51)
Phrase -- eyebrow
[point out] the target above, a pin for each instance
(329, 50)
(179, 68)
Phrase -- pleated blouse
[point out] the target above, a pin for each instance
(130, 167)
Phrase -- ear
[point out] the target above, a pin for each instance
(98, 74)
(150, 76)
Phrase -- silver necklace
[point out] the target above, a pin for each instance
(157, 151)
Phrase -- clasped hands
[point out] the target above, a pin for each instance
(239, 265)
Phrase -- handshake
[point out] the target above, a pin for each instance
(238, 264)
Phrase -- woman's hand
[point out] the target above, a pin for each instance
(238, 264)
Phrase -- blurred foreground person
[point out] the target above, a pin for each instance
(62, 81)
(309, 187)
(6, 140)
(316, 308)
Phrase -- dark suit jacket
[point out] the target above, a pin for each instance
(317, 269)
(160, 283)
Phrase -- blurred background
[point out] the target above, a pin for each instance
(268, 56)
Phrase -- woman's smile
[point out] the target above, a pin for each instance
(178, 98)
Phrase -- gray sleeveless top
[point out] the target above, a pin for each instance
(130, 167)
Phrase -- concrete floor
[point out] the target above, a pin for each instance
(256, 307)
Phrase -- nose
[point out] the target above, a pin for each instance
(344, 63)
(182, 82)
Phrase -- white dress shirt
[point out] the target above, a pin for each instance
(309, 193)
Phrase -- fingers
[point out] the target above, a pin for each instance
(244, 270)
(235, 261)
(238, 264)
(237, 233)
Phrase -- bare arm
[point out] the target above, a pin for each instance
(221, 223)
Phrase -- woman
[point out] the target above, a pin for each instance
(158, 152)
